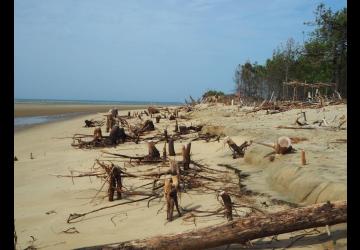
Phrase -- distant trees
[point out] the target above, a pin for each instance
(212, 93)
(323, 58)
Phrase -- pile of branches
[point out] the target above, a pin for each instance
(193, 176)
(273, 107)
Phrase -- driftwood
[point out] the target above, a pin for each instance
(186, 156)
(244, 229)
(115, 183)
(110, 122)
(154, 154)
(171, 147)
(92, 123)
(238, 151)
(117, 135)
(227, 204)
(185, 129)
(153, 110)
(176, 126)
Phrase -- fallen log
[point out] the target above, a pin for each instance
(243, 230)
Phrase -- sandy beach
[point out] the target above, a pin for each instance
(44, 201)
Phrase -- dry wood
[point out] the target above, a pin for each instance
(154, 154)
(238, 151)
(171, 147)
(153, 110)
(176, 126)
(186, 156)
(243, 230)
(227, 204)
(303, 159)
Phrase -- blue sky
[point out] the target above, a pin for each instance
(160, 50)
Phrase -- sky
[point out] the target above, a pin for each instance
(143, 50)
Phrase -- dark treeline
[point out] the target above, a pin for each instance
(322, 58)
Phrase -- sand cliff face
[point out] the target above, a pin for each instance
(324, 176)
(43, 202)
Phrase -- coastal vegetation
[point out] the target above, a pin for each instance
(321, 58)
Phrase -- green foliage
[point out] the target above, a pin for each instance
(320, 59)
(212, 93)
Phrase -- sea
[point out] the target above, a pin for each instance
(25, 122)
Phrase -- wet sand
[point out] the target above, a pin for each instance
(24, 109)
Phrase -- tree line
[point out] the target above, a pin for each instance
(321, 58)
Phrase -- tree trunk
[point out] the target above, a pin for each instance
(176, 126)
(186, 156)
(164, 152)
(153, 152)
(243, 230)
(171, 147)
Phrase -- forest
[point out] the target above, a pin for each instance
(321, 59)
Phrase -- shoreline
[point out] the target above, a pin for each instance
(25, 110)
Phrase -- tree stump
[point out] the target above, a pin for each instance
(182, 129)
(227, 204)
(115, 183)
(238, 151)
(186, 156)
(171, 117)
(303, 159)
(117, 135)
(110, 122)
(171, 147)
(148, 126)
(164, 152)
(153, 152)
(97, 134)
(166, 135)
(283, 145)
(158, 119)
(129, 114)
(176, 126)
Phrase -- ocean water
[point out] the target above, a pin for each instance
(28, 121)
(25, 122)
(92, 102)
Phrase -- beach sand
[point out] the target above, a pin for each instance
(43, 202)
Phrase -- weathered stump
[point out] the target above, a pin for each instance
(171, 147)
(166, 135)
(153, 152)
(110, 122)
(186, 156)
(115, 183)
(158, 119)
(182, 129)
(164, 152)
(227, 204)
(97, 134)
(117, 135)
(176, 126)
(283, 145)
(148, 126)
